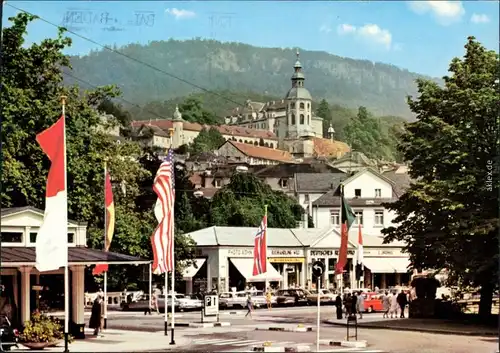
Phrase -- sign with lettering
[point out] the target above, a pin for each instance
(285, 252)
(240, 252)
(286, 260)
(328, 253)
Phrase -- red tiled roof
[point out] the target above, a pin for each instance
(270, 154)
(223, 129)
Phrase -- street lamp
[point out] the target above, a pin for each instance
(198, 193)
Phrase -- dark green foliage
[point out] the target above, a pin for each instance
(240, 67)
(207, 141)
(449, 218)
(241, 204)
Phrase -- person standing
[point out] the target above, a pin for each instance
(354, 304)
(348, 305)
(97, 316)
(361, 305)
(269, 297)
(394, 305)
(402, 302)
(386, 304)
(249, 305)
(338, 306)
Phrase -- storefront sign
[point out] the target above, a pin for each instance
(386, 252)
(240, 252)
(328, 253)
(286, 252)
(286, 260)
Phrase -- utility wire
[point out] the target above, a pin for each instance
(130, 57)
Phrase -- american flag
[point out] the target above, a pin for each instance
(162, 239)
(260, 249)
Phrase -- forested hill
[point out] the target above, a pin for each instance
(240, 67)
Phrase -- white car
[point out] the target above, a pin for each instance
(259, 298)
(232, 299)
(187, 302)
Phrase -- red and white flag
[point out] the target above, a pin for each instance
(260, 248)
(162, 239)
(360, 246)
(52, 237)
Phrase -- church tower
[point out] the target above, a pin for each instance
(299, 105)
(177, 129)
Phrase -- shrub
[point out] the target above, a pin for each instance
(41, 328)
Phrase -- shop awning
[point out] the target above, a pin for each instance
(387, 264)
(245, 267)
(192, 270)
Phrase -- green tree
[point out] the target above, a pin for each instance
(32, 85)
(192, 110)
(449, 217)
(241, 204)
(207, 141)
(324, 112)
(118, 111)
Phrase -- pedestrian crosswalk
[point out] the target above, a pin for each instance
(235, 342)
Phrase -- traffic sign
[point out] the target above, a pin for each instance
(318, 268)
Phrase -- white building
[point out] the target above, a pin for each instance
(225, 259)
(24, 284)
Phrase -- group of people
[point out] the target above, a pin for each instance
(351, 304)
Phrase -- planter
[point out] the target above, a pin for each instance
(36, 345)
(55, 343)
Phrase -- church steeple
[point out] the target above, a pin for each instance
(298, 77)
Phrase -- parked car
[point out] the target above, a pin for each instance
(232, 299)
(312, 297)
(259, 298)
(187, 302)
(291, 297)
(373, 302)
(139, 304)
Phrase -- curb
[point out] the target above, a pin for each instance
(419, 329)
(347, 344)
(278, 349)
(209, 324)
(285, 329)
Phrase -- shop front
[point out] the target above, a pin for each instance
(290, 264)
(329, 280)
(385, 268)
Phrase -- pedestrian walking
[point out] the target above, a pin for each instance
(269, 297)
(386, 304)
(394, 306)
(249, 305)
(154, 299)
(338, 306)
(348, 305)
(402, 302)
(97, 315)
(361, 305)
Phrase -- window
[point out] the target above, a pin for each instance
(293, 119)
(302, 105)
(12, 237)
(284, 183)
(306, 198)
(334, 217)
(378, 193)
(71, 238)
(302, 119)
(359, 217)
(357, 192)
(379, 217)
(217, 183)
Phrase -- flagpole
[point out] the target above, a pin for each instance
(150, 287)
(105, 247)
(66, 274)
(265, 215)
(165, 301)
(341, 281)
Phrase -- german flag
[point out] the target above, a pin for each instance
(109, 220)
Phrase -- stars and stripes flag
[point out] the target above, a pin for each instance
(162, 239)
(260, 248)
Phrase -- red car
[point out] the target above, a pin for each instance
(373, 302)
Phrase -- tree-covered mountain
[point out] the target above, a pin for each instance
(240, 67)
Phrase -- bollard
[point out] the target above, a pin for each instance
(352, 319)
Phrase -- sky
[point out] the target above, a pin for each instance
(420, 36)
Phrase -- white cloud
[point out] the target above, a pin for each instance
(369, 32)
(325, 29)
(445, 12)
(479, 18)
(180, 14)
(346, 29)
